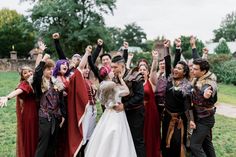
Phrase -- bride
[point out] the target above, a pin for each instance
(112, 136)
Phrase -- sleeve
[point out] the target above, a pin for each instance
(96, 53)
(188, 108)
(138, 96)
(195, 54)
(167, 65)
(125, 55)
(177, 57)
(25, 87)
(94, 68)
(37, 79)
(59, 50)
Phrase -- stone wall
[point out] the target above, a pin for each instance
(13, 65)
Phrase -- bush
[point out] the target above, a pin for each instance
(225, 71)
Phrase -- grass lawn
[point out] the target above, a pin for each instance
(224, 132)
(227, 94)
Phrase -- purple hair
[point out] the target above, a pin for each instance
(58, 65)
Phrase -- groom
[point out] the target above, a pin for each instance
(133, 103)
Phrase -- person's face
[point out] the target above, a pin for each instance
(85, 72)
(143, 70)
(162, 65)
(178, 72)
(63, 68)
(116, 68)
(47, 73)
(106, 61)
(197, 71)
(26, 74)
(75, 60)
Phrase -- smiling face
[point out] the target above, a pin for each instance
(178, 72)
(162, 65)
(26, 73)
(106, 61)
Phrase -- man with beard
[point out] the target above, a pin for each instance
(133, 104)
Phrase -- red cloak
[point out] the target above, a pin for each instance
(27, 122)
(77, 101)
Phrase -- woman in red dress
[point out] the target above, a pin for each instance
(152, 134)
(27, 115)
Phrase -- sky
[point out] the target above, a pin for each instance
(170, 18)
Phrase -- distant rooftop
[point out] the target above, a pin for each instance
(212, 45)
(135, 49)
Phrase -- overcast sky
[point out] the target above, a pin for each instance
(170, 18)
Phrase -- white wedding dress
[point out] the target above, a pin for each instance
(112, 136)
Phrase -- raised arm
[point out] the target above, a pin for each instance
(97, 50)
(42, 47)
(125, 52)
(194, 48)
(153, 71)
(129, 60)
(205, 53)
(84, 59)
(59, 50)
(177, 51)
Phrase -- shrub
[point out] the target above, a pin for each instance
(226, 71)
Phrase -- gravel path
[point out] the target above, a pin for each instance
(227, 110)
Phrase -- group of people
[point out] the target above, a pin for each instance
(148, 111)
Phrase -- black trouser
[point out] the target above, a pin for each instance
(136, 123)
(47, 140)
(201, 140)
(175, 143)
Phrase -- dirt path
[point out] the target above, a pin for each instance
(226, 110)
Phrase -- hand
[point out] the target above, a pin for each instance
(100, 42)
(192, 125)
(178, 43)
(130, 56)
(126, 45)
(207, 92)
(46, 57)
(3, 101)
(119, 107)
(167, 43)
(62, 122)
(56, 36)
(89, 49)
(42, 46)
(155, 54)
(192, 41)
(205, 50)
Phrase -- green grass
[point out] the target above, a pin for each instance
(227, 94)
(224, 132)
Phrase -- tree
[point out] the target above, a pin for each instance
(79, 22)
(222, 48)
(133, 34)
(227, 28)
(15, 31)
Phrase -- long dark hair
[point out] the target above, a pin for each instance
(186, 69)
